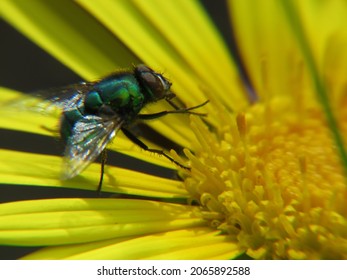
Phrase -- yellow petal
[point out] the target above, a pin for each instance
(194, 243)
(43, 170)
(324, 23)
(72, 36)
(270, 53)
(70, 221)
(158, 32)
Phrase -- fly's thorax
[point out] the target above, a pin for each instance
(116, 88)
(154, 86)
(117, 94)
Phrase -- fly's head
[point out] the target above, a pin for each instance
(154, 85)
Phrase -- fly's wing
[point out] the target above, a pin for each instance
(89, 138)
(61, 98)
(66, 96)
(51, 100)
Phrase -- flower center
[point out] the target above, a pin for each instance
(272, 180)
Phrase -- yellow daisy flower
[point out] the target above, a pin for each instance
(267, 176)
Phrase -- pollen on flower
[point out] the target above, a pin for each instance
(271, 179)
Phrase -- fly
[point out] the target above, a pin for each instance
(93, 112)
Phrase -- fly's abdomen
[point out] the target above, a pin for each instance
(93, 101)
(68, 121)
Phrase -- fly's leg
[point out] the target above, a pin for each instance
(142, 145)
(176, 111)
(49, 129)
(103, 162)
(173, 105)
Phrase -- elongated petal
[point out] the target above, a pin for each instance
(191, 243)
(172, 44)
(43, 170)
(70, 34)
(270, 53)
(70, 221)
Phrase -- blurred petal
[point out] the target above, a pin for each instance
(315, 75)
(72, 36)
(158, 32)
(43, 170)
(270, 53)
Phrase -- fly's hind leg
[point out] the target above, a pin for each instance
(103, 162)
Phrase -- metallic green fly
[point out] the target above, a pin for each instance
(93, 112)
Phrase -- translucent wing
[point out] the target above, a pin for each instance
(89, 138)
(65, 96)
(51, 100)
(62, 98)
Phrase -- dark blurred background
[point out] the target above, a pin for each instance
(25, 67)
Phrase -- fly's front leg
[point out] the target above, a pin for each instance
(176, 111)
(142, 145)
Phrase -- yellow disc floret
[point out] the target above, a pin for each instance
(272, 180)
